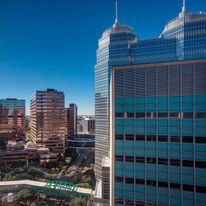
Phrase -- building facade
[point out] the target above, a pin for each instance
(150, 114)
(12, 117)
(47, 119)
(87, 125)
(71, 120)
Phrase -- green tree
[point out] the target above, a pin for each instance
(24, 195)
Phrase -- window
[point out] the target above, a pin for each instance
(189, 188)
(175, 185)
(174, 162)
(119, 137)
(151, 138)
(119, 179)
(187, 163)
(163, 115)
(140, 115)
(163, 138)
(188, 115)
(174, 115)
(151, 183)
(140, 138)
(129, 137)
(129, 159)
(201, 164)
(200, 140)
(162, 161)
(174, 139)
(151, 160)
(119, 201)
(149, 115)
(129, 180)
(201, 189)
(163, 184)
(187, 139)
(130, 115)
(119, 114)
(140, 181)
(119, 158)
(201, 115)
(140, 159)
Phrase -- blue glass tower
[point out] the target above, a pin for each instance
(150, 106)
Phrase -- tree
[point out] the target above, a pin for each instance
(24, 195)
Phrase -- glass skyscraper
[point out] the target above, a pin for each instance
(151, 114)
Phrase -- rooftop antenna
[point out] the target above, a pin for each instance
(184, 6)
(116, 19)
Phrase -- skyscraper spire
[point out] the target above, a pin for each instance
(184, 6)
(116, 7)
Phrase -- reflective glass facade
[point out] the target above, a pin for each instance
(160, 134)
(183, 38)
(112, 51)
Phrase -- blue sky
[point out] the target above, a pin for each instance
(52, 43)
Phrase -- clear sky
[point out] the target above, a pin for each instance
(52, 43)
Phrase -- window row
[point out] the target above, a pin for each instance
(161, 161)
(161, 138)
(153, 183)
(120, 201)
(151, 115)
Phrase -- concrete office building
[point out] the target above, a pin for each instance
(150, 114)
(47, 119)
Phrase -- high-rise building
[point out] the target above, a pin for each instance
(71, 120)
(47, 119)
(87, 125)
(150, 114)
(12, 115)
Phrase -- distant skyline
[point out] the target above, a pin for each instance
(52, 44)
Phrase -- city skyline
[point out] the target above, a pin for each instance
(31, 60)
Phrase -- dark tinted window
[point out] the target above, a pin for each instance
(140, 181)
(162, 184)
(119, 200)
(174, 114)
(174, 139)
(129, 180)
(129, 159)
(151, 138)
(189, 188)
(149, 114)
(151, 183)
(187, 163)
(200, 140)
(130, 115)
(129, 137)
(119, 179)
(140, 115)
(201, 164)
(119, 158)
(187, 139)
(163, 138)
(175, 185)
(174, 162)
(119, 137)
(201, 115)
(140, 137)
(151, 160)
(119, 114)
(162, 161)
(162, 114)
(201, 189)
(140, 160)
(188, 115)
